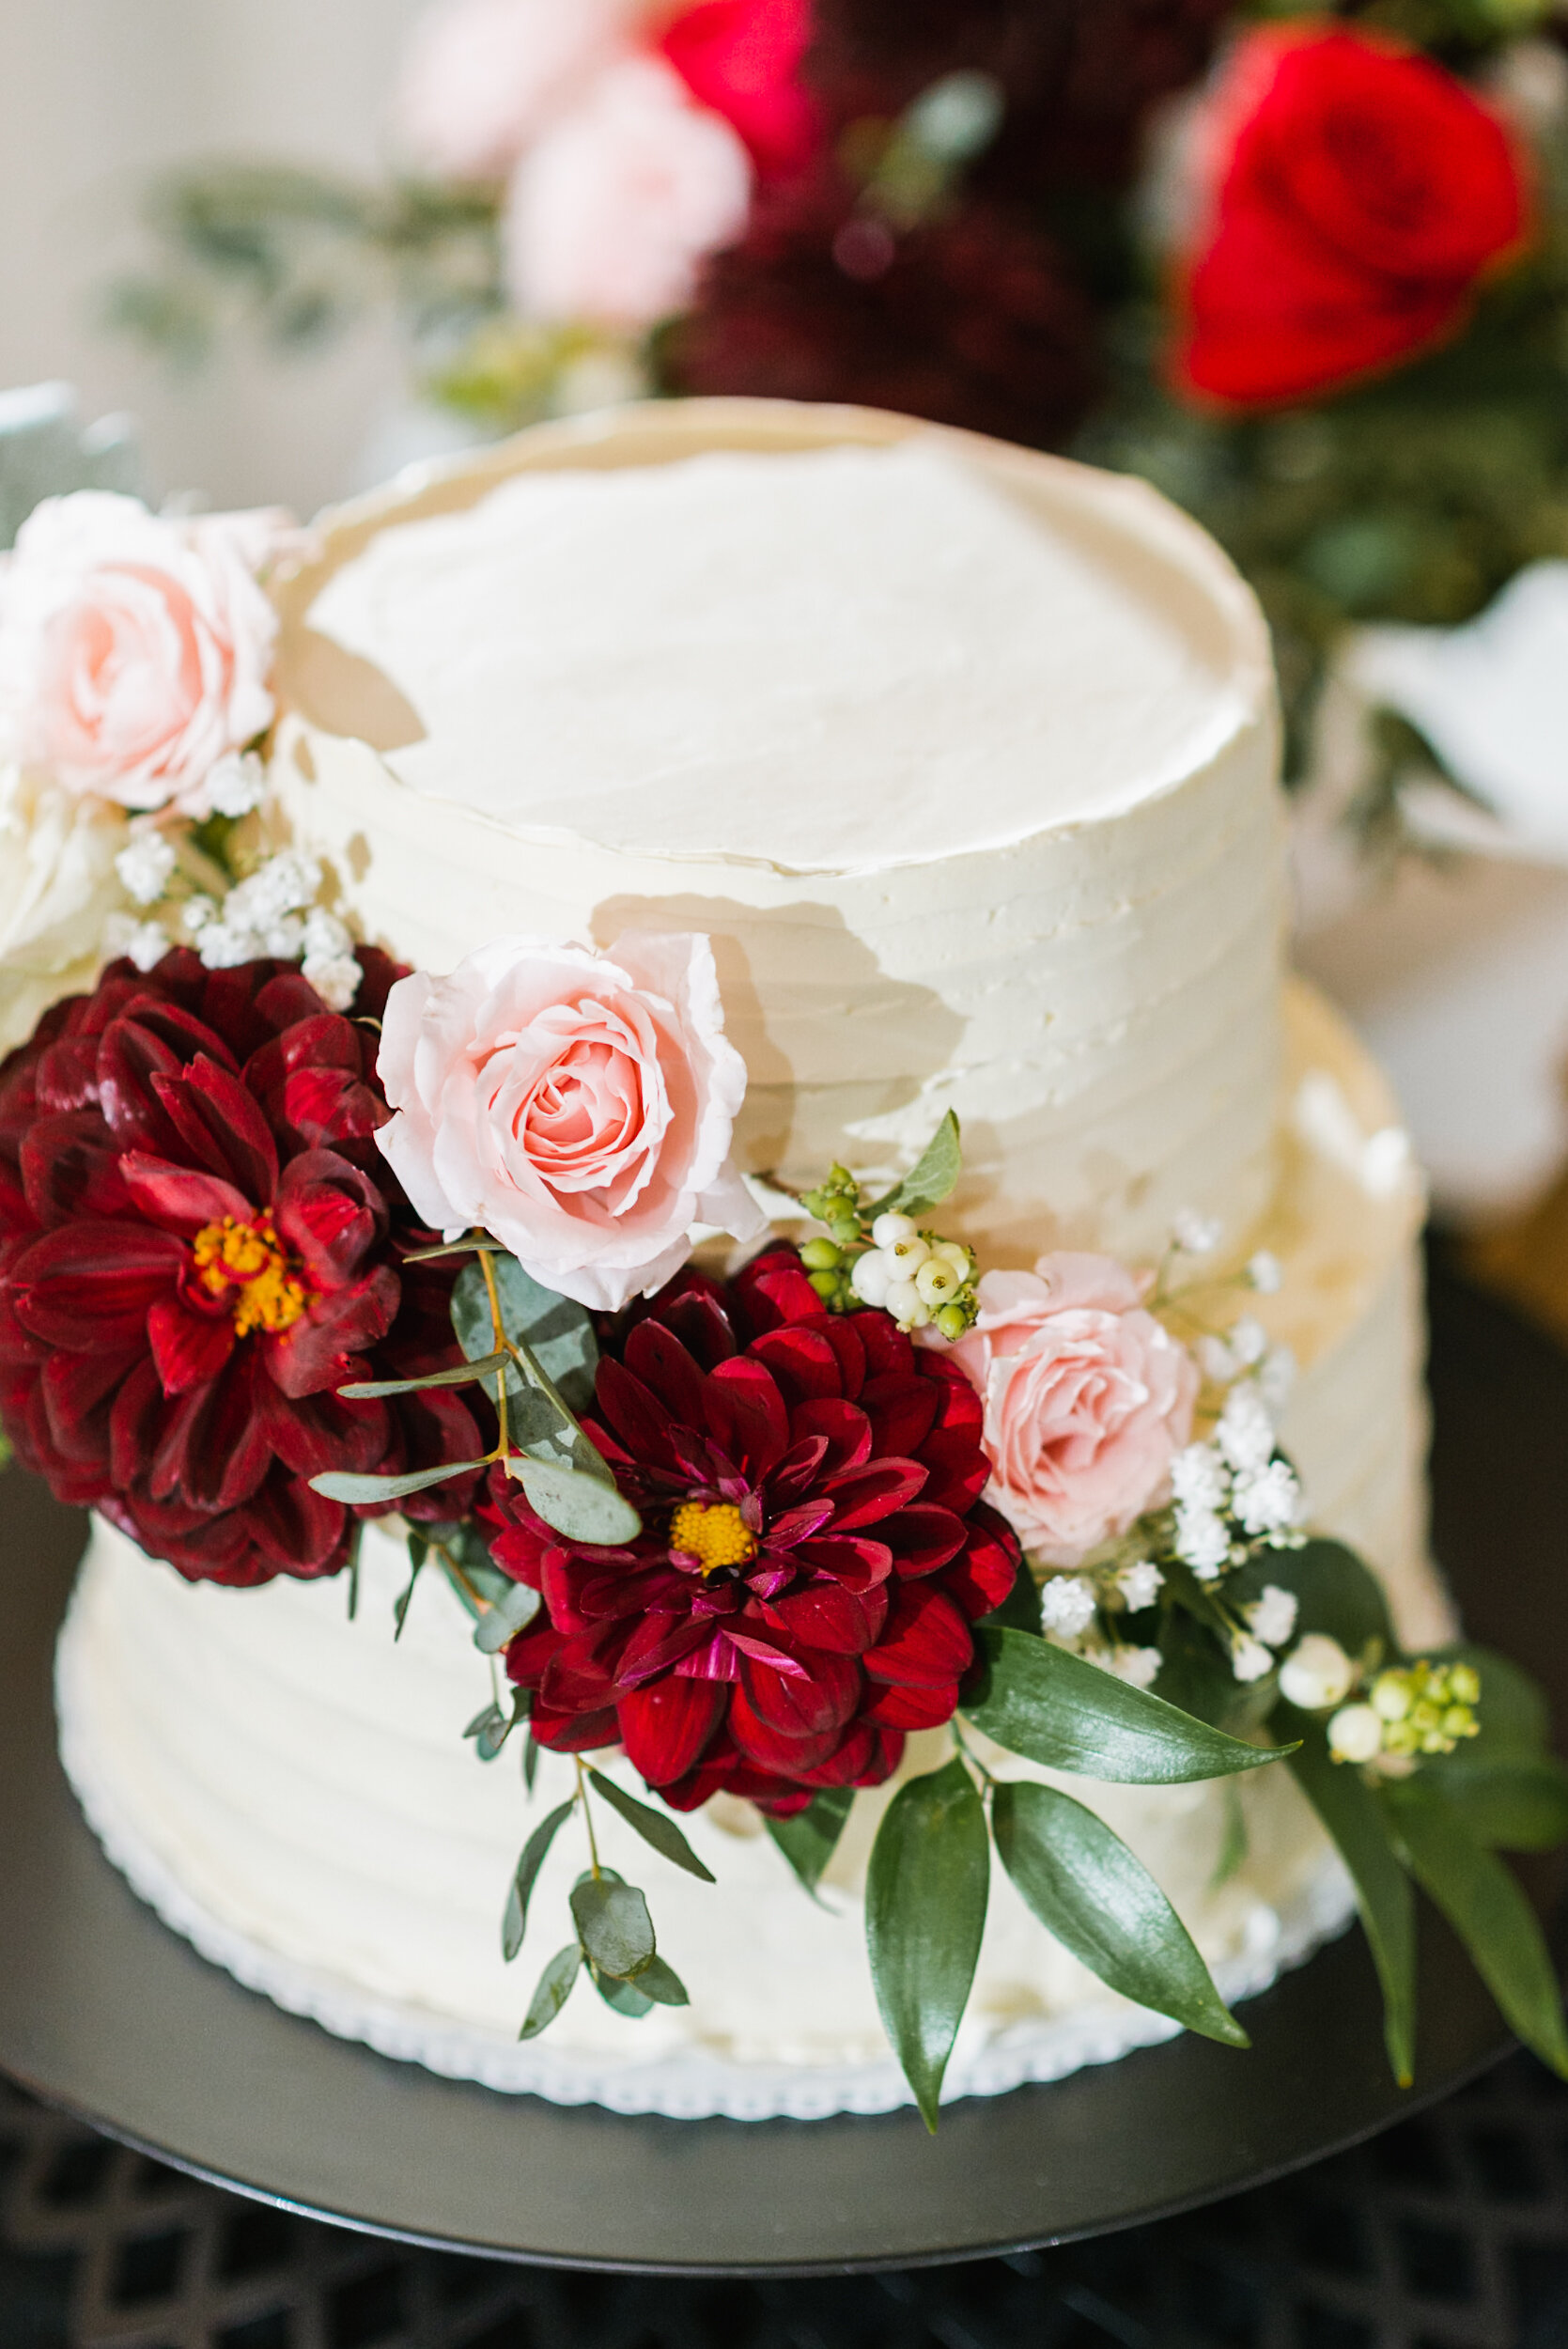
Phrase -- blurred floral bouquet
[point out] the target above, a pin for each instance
(1304, 268)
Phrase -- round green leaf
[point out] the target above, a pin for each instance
(580, 1507)
(613, 1926)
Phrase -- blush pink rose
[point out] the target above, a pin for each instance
(134, 650)
(1088, 1399)
(481, 78)
(613, 211)
(577, 1106)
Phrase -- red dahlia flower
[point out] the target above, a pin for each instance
(815, 1549)
(1361, 193)
(742, 58)
(199, 1244)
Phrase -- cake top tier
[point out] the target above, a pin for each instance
(837, 660)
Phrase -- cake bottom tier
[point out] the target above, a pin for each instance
(290, 1788)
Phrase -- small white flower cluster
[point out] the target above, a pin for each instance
(1271, 1621)
(1196, 1234)
(273, 913)
(1069, 1608)
(236, 785)
(912, 1278)
(1232, 1491)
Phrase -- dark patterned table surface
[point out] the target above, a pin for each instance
(1451, 2232)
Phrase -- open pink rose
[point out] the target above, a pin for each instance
(1088, 1399)
(577, 1106)
(612, 210)
(134, 650)
(482, 77)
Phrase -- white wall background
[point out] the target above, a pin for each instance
(96, 95)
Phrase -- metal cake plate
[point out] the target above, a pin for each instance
(105, 2014)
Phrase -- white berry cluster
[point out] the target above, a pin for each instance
(1234, 1493)
(1408, 1710)
(911, 1274)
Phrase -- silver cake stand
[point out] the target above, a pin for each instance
(105, 2014)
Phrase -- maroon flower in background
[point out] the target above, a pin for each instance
(199, 1243)
(814, 1551)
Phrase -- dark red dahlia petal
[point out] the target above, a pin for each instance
(665, 1728)
(576, 1679)
(797, 1473)
(69, 1168)
(327, 1105)
(323, 1431)
(888, 1351)
(800, 1703)
(135, 1425)
(287, 999)
(132, 1054)
(212, 1452)
(79, 1391)
(843, 1427)
(659, 1642)
(188, 1347)
(853, 1559)
(843, 1333)
(790, 1526)
(221, 1126)
(801, 1359)
(902, 1409)
(826, 1615)
(981, 1579)
(746, 1415)
(574, 1733)
(788, 1751)
(773, 1289)
(902, 1707)
(863, 1496)
(431, 1427)
(923, 1539)
(90, 1283)
(180, 1198)
(692, 1307)
(294, 1530)
(635, 1412)
(866, 1755)
(330, 1214)
(320, 1349)
(531, 1651)
(66, 1075)
(928, 1641)
(658, 1358)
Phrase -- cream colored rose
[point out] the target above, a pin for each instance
(577, 1106)
(58, 887)
(134, 650)
(612, 210)
(1088, 1399)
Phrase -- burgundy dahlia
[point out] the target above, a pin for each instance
(199, 1243)
(813, 1555)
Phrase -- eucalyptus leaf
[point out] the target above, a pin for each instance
(460, 1374)
(580, 1507)
(613, 1926)
(556, 1331)
(1100, 1902)
(1359, 1825)
(515, 1921)
(1482, 1901)
(530, 1762)
(653, 1826)
(931, 1178)
(419, 1549)
(1517, 1804)
(338, 1485)
(1056, 1708)
(482, 1721)
(555, 1988)
(504, 1618)
(925, 1897)
(662, 1984)
(809, 1839)
(626, 1998)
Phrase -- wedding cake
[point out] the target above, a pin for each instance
(965, 761)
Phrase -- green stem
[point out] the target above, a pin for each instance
(587, 1815)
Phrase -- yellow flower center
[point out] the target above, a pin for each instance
(250, 1260)
(716, 1536)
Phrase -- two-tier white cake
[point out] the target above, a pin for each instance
(966, 760)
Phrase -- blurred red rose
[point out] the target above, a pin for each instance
(741, 58)
(1357, 194)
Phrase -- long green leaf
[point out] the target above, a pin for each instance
(924, 1916)
(654, 1827)
(460, 1374)
(555, 1988)
(1055, 1708)
(1102, 1904)
(1510, 1805)
(931, 1178)
(514, 1923)
(338, 1485)
(809, 1839)
(1356, 1820)
(613, 1925)
(1482, 1901)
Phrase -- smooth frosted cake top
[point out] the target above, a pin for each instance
(846, 657)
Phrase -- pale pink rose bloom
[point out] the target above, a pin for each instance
(612, 213)
(480, 78)
(1088, 1399)
(577, 1106)
(134, 650)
